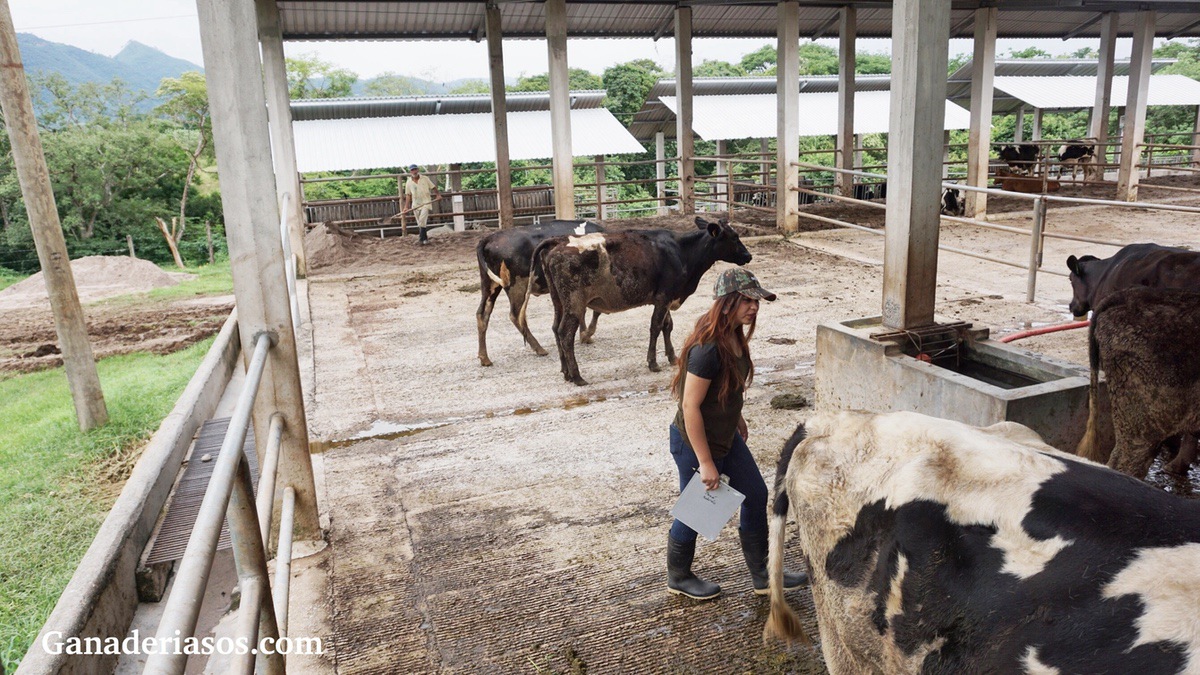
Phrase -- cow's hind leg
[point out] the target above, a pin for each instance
(585, 336)
(565, 334)
(656, 326)
(667, 326)
(516, 298)
(483, 315)
(1185, 456)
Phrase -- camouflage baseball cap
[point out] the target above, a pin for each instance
(740, 280)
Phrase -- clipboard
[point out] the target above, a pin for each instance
(706, 511)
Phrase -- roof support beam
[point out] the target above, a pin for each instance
(279, 117)
(684, 141)
(979, 143)
(241, 137)
(1183, 30)
(562, 169)
(827, 25)
(1083, 26)
(787, 143)
(499, 115)
(920, 45)
(1135, 106)
(1098, 125)
(846, 62)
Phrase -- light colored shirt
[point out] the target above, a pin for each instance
(420, 191)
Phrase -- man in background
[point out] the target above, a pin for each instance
(419, 195)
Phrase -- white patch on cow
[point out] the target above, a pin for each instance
(895, 599)
(1167, 581)
(1034, 666)
(581, 229)
(593, 240)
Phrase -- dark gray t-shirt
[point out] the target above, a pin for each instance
(720, 421)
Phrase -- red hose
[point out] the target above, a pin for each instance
(1043, 330)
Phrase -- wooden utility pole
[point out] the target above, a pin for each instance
(208, 235)
(30, 163)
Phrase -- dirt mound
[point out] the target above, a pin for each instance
(96, 277)
(328, 246)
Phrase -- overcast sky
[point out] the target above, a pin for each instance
(105, 26)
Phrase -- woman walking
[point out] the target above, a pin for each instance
(709, 433)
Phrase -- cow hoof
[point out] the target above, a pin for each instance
(585, 339)
(540, 352)
(672, 360)
(579, 381)
(485, 361)
(654, 368)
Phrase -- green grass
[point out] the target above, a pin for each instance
(9, 277)
(214, 279)
(57, 484)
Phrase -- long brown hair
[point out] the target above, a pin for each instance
(716, 325)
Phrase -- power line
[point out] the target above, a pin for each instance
(98, 23)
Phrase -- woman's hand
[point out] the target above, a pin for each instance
(709, 475)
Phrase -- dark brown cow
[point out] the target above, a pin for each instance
(504, 265)
(1147, 340)
(615, 272)
(1093, 279)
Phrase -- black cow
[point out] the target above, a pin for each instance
(615, 272)
(1021, 158)
(952, 202)
(1093, 279)
(1076, 154)
(1147, 341)
(938, 547)
(504, 265)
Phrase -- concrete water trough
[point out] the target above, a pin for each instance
(950, 370)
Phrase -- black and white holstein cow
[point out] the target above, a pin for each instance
(1021, 158)
(1077, 154)
(1147, 341)
(938, 547)
(504, 265)
(953, 203)
(618, 271)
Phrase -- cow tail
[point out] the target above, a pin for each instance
(535, 271)
(1089, 445)
(783, 620)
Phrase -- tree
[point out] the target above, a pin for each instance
(472, 87)
(393, 84)
(186, 105)
(1028, 53)
(577, 78)
(711, 68)
(866, 63)
(61, 105)
(310, 77)
(818, 59)
(760, 61)
(1082, 53)
(957, 62)
(627, 86)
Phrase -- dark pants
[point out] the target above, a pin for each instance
(744, 477)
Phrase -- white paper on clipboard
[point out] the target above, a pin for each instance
(706, 511)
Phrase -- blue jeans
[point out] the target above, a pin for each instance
(744, 477)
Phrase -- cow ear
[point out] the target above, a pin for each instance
(701, 223)
(1073, 265)
(714, 229)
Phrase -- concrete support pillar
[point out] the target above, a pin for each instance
(456, 200)
(1196, 140)
(279, 117)
(1098, 125)
(1037, 124)
(723, 177)
(1019, 126)
(601, 207)
(30, 163)
(945, 155)
(562, 168)
(1135, 105)
(920, 42)
(684, 141)
(236, 94)
(858, 153)
(660, 171)
(495, 49)
(979, 143)
(787, 149)
(764, 149)
(848, 28)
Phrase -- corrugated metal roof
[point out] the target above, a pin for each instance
(1052, 67)
(385, 142)
(755, 115)
(448, 104)
(655, 117)
(1068, 92)
(404, 19)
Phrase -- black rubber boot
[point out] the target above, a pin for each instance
(754, 548)
(680, 579)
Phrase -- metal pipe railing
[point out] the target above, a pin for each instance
(283, 560)
(265, 502)
(183, 606)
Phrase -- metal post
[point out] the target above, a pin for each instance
(601, 208)
(684, 142)
(1135, 106)
(787, 87)
(979, 143)
(283, 560)
(229, 38)
(660, 172)
(257, 620)
(495, 48)
(265, 501)
(848, 18)
(34, 177)
(560, 110)
(1035, 246)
